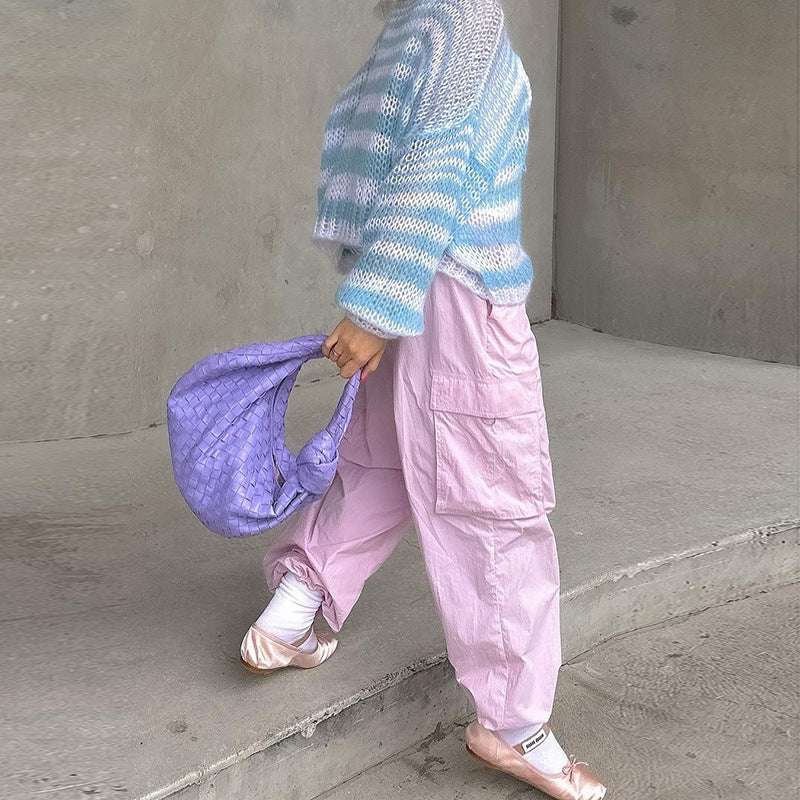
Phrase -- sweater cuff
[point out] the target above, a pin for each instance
(375, 312)
(368, 326)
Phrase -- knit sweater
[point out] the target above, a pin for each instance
(422, 164)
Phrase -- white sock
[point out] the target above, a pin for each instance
(545, 752)
(291, 612)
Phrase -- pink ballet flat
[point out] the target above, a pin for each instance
(261, 652)
(574, 782)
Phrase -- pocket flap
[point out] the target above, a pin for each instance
(486, 397)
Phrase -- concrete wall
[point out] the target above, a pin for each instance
(677, 173)
(159, 169)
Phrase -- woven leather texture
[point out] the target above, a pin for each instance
(227, 437)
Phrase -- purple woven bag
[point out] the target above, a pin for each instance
(225, 419)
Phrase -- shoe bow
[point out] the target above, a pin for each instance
(571, 764)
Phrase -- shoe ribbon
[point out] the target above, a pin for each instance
(570, 765)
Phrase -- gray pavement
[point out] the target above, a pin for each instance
(701, 707)
(121, 617)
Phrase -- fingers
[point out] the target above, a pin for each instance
(352, 366)
(349, 369)
(330, 342)
(334, 348)
(336, 355)
(351, 349)
(340, 356)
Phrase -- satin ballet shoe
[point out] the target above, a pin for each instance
(574, 782)
(261, 652)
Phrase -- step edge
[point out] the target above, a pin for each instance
(761, 535)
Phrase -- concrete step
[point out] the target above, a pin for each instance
(676, 476)
(652, 712)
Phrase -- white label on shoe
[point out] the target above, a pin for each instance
(534, 740)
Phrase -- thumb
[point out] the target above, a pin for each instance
(370, 366)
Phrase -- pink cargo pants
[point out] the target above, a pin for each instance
(449, 435)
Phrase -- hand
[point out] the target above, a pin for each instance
(352, 348)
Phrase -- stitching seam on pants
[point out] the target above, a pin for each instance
(496, 585)
(486, 326)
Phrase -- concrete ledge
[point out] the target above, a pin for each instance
(679, 583)
(326, 748)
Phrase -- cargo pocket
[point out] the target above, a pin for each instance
(488, 444)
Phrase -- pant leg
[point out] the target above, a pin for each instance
(337, 542)
(473, 444)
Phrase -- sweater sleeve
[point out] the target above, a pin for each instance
(421, 202)
(431, 188)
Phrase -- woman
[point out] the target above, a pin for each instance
(419, 208)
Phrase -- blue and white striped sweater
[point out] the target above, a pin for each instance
(422, 165)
